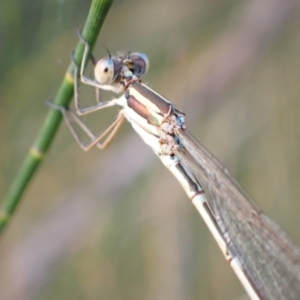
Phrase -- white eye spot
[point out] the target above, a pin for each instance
(104, 71)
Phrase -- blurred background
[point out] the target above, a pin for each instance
(115, 224)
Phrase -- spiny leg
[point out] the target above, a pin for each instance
(112, 130)
(88, 81)
(108, 134)
(98, 106)
(97, 90)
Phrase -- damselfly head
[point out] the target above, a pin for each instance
(120, 70)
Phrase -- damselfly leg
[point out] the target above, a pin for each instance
(102, 140)
(80, 74)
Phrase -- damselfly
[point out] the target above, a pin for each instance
(263, 257)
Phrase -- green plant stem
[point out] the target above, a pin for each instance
(96, 16)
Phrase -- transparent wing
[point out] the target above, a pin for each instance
(269, 258)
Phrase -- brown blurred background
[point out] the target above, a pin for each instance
(115, 224)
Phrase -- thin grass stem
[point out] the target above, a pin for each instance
(39, 148)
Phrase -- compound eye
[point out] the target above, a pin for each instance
(140, 62)
(104, 71)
